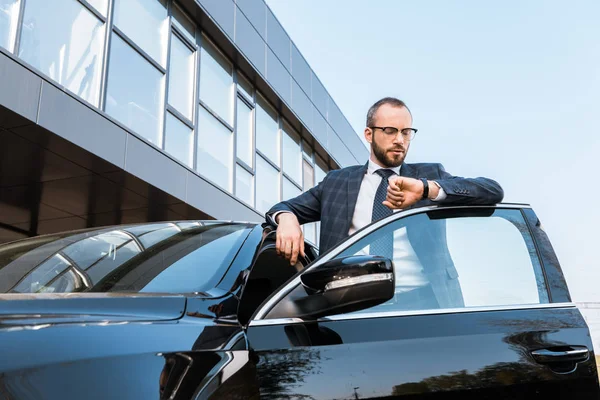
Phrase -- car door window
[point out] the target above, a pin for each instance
(455, 259)
(452, 258)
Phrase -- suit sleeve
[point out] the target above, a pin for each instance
(469, 191)
(306, 207)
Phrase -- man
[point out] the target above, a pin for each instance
(350, 198)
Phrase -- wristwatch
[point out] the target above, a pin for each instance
(425, 188)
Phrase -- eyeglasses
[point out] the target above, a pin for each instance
(407, 133)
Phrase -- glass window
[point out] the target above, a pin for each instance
(135, 92)
(65, 41)
(216, 81)
(309, 176)
(267, 130)
(245, 128)
(146, 23)
(289, 189)
(215, 150)
(192, 260)
(320, 170)
(244, 185)
(292, 157)
(307, 150)
(87, 252)
(100, 5)
(244, 86)
(454, 259)
(181, 77)
(310, 232)
(267, 185)
(185, 25)
(179, 140)
(9, 16)
(154, 237)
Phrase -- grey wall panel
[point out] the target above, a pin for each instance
(301, 105)
(154, 167)
(339, 151)
(250, 42)
(222, 11)
(319, 127)
(319, 95)
(278, 76)
(278, 40)
(216, 203)
(74, 121)
(300, 70)
(256, 12)
(19, 92)
(336, 118)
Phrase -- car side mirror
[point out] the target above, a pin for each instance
(345, 285)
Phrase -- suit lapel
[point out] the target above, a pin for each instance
(354, 181)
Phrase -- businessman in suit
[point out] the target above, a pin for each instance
(350, 198)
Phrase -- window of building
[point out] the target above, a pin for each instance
(66, 42)
(135, 91)
(216, 81)
(245, 132)
(290, 189)
(9, 16)
(215, 150)
(182, 65)
(267, 185)
(307, 151)
(146, 23)
(184, 23)
(244, 186)
(267, 131)
(179, 140)
(245, 87)
(292, 156)
(320, 170)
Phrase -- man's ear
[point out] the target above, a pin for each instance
(369, 135)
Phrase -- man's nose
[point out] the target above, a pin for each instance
(399, 138)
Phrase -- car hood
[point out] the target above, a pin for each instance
(40, 309)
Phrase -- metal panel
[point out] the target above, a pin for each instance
(302, 105)
(76, 122)
(19, 92)
(278, 40)
(319, 95)
(319, 127)
(301, 70)
(216, 203)
(222, 11)
(250, 42)
(256, 12)
(278, 76)
(149, 164)
(338, 150)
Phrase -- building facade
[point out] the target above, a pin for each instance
(122, 111)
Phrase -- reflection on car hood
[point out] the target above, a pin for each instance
(39, 309)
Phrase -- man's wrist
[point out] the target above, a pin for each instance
(434, 190)
(284, 214)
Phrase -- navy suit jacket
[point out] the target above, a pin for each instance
(333, 202)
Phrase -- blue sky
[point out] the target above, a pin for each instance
(509, 90)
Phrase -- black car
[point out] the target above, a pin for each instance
(207, 309)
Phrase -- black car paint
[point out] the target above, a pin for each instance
(193, 346)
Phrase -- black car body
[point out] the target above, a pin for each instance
(207, 309)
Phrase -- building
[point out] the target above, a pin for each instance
(120, 111)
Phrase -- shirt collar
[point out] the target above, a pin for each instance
(374, 167)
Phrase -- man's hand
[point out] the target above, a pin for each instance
(403, 192)
(290, 239)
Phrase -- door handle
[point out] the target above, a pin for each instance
(561, 354)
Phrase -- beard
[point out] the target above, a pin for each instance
(386, 157)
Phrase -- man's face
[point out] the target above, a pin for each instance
(389, 151)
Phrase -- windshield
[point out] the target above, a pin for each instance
(179, 257)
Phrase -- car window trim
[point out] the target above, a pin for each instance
(407, 313)
(277, 296)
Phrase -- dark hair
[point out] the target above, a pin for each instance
(386, 100)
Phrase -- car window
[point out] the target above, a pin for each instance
(450, 259)
(446, 259)
(164, 258)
